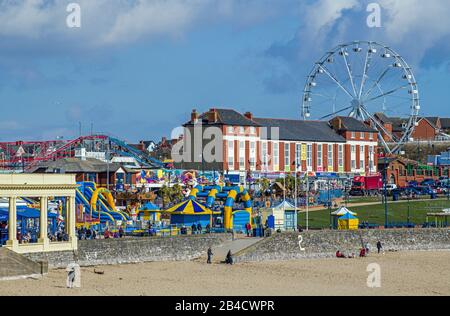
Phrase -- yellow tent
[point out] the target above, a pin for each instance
(348, 222)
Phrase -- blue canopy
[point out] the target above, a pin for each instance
(149, 206)
(24, 212)
(347, 216)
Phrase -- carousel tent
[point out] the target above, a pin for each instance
(190, 212)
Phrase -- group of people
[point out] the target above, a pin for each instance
(228, 258)
(60, 235)
(363, 252)
(198, 229)
(117, 234)
(84, 233)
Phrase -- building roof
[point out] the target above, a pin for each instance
(445, 122)
(295, 130)
(353, 125)
(434, 120)
(226, 117)
(396, 122)
(75, 165)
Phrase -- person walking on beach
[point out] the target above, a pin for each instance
(210, 254)
(379, 246)
(248, 228)
(229, 258)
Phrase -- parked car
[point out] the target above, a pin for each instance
(391, 186)
(413, 184)
(427, 190)
(428, 182)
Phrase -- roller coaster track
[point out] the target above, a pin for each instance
(66, 151)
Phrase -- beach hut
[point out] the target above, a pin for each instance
(190, 212)
(282, 216)
(340, 212)
(348, 222)
(149, 212)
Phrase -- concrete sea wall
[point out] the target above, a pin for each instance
(324, 244)
(133, 250)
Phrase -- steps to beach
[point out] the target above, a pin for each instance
(235, 246)
(16, 266)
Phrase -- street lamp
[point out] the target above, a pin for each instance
(385, 193)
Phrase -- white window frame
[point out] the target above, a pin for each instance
(319, 155)
(230, 130)
(241, 155)
(330, 156)
(230, 155)
(276, 154)
(264, 153)
(309, 149)
(298, 157)
(287, 155)
(341, 155)
(252, 154)
(362, 158)
(353, 135)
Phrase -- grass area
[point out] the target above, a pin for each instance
(397, 212)
(370, 199)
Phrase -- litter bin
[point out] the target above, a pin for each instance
(395, 196)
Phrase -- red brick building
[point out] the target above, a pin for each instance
(401, 170)
(426, 129)
(268, 145)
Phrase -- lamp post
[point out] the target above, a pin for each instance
(307, 201)
(329, 203)
(385, 193)
(107, 165)
(408, 215)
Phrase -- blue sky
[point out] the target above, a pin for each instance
(136, 69)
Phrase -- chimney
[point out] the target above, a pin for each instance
(249, 115)
(213, 116)
(194, 116)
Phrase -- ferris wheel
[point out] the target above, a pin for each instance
(365, 80)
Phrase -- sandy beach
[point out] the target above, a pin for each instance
(402, 273)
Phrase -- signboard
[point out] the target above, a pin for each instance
(304, 149)
(233, 178)
(330, 169)
(341, 169)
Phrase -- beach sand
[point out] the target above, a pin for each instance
(402, 273)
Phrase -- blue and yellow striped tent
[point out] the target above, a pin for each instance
(190, 212)
(190, 207)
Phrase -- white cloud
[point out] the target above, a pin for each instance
(111, 22)
(325, 13)
(417, 24)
